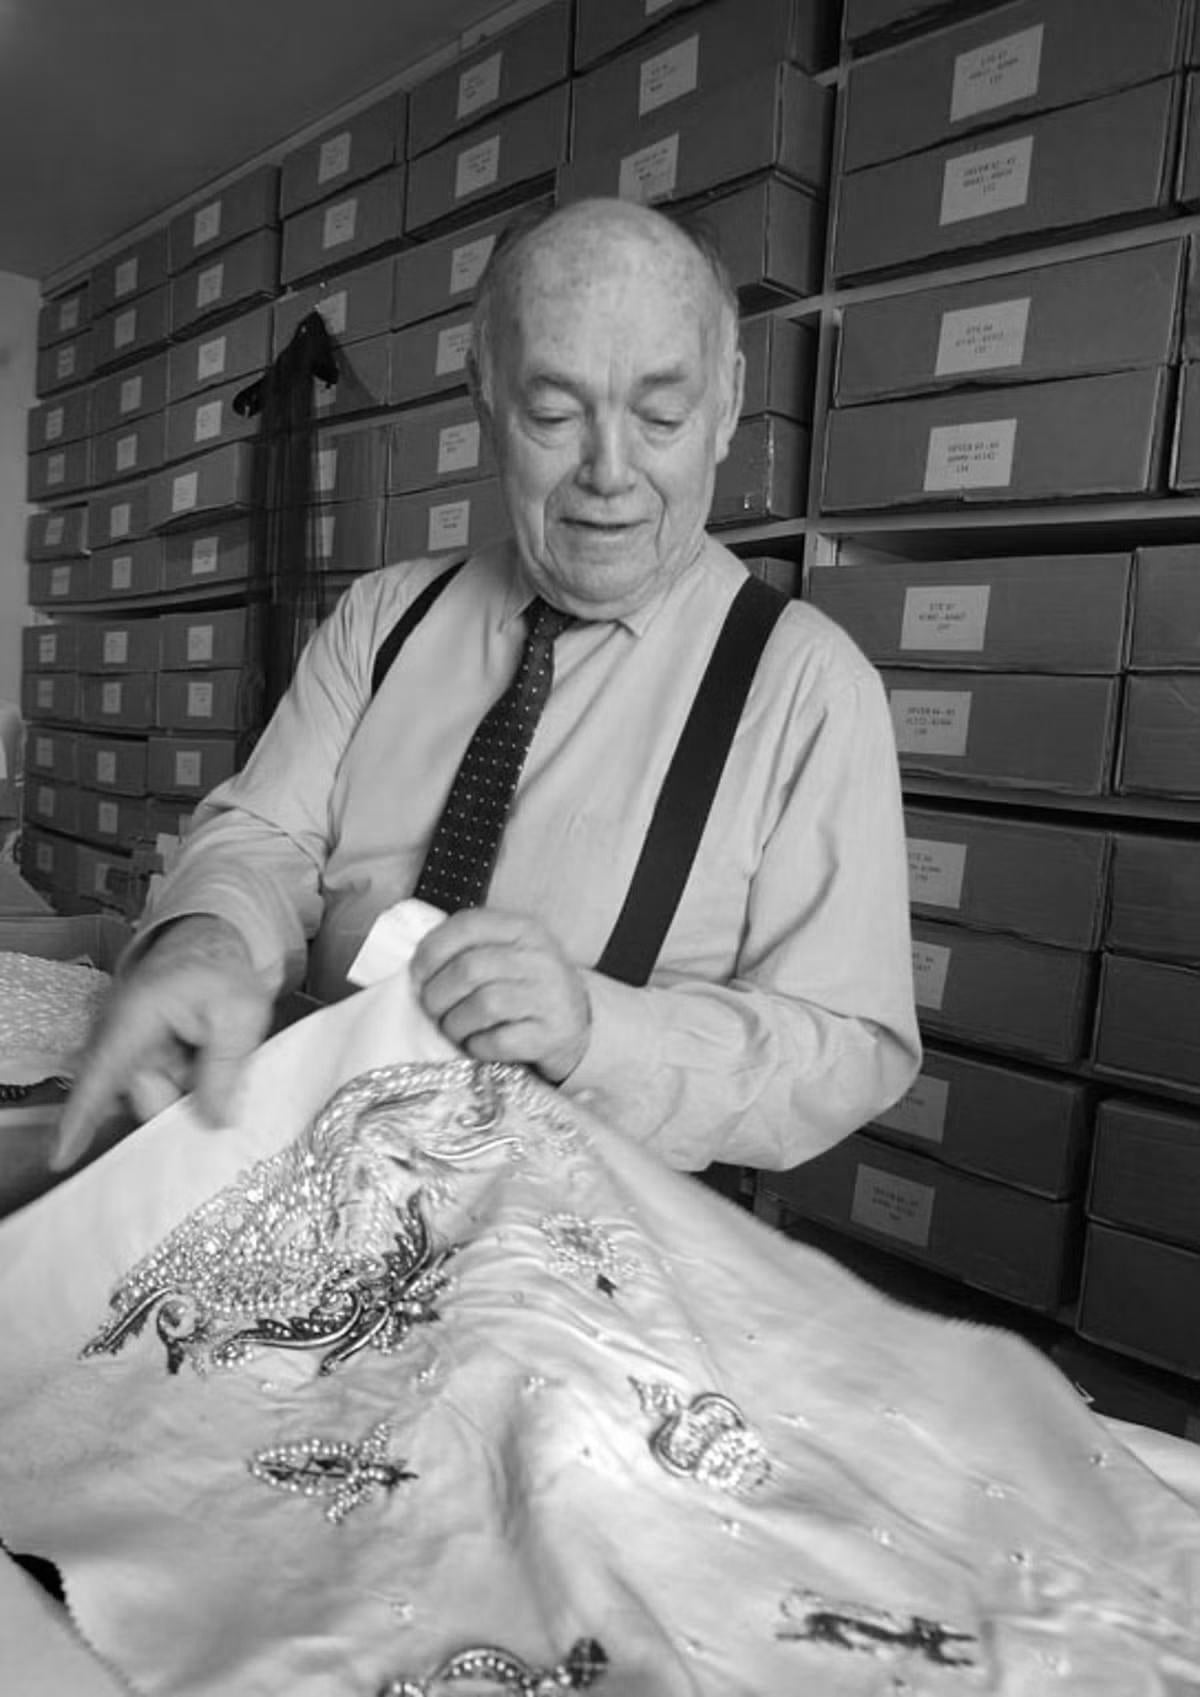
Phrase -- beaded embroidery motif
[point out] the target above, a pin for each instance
(585, 1251)
(346, 1473)
(584, 1665)
(706, 1439)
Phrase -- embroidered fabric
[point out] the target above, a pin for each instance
(46, 1012)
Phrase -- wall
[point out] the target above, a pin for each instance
(18, 347)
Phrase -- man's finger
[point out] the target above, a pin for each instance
(235, 1031)
(151, 1091)
(94, 1098)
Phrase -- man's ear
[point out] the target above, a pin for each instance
(735, 390)
(483, 410)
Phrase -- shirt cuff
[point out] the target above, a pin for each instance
(616, 1079)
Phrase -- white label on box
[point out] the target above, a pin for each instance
(340, 223)
(334, 157)
(206, 224)
(100, 872)
(121, 572)
(107, 817)
(982, 338)
(921, 1111)
(45, 857)
(895, 1206)
(970, 456)
(64, 362)
(127, 452)
(467, 263)
(204, 555)
(935, 872)
(184, 492)
(199, 699)
(210, 359)
(930, 721)
(106, 766)
(458, 447)
(53, 427)
(45, 801)
(187, 768)
(110, 696)
(327, 466)
(930, 964)
(452, 346)
(43, 752)
(650, 173)
(945, 616)
(44, 694)
(479, 85)
(669, 75)
(449, 525)
(125, 328)
(68, 314)
(54, 530)
(60, 580)
(208, 421)
(125, 278)
(333, 311)
(993, 179)
(210, 284)
(477, 167)
(326, 530)
(47, 648)
(996, 74)
(116, 647)
(56, 469)
(120, 518)
(131, 395)
(199, 643)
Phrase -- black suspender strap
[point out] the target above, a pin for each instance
(690, 786)
(411, 617)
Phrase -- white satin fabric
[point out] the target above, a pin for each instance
(919, 1470)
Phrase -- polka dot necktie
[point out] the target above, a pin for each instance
(459, 862)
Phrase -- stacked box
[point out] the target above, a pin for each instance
(239, 348)
(355, 222)
(802, 30)
(131, 272)
(437, 444)
(439, 273)
(249, 203)
(502, 71)
(346, 153)
(518, 147)
(214, 287)
(437, 521)
(65, 314)
(128, 332)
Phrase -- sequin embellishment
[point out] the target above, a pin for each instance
(585, 1251)
(584, 1665)
(706, 1439)
(346, 1473)
(876, 1632)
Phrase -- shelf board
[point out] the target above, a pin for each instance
(1121, 809)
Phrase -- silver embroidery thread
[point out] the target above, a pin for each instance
(346, 1473)
(706, 1439)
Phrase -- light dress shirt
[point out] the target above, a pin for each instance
(780, 1015)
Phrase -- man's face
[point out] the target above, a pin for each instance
(613, 400)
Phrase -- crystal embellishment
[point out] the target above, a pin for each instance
(583, 1250)
(346, 1473)
(706, 1439)
(584, 1665)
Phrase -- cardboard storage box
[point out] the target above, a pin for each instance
(603, 26)
(129, 394)
(131, 449)
(1022, 1247)
(1123, 1390)
(765, 474)
(218, 554)
(58, 471)
(1014, 730)
(1001, 992)
(140, 266)
(434, 521)
(1160, 735)
(1165, 634)
(778, 120)
(364, 376)
(1023, 1128)
(1045, 882)
(354, 304)
(190, 765)
(57, 422)
(51, 647)
(219, 638)
(1154, 897)
(1141, 1297)
(1188, 185)
(1085, 436)
(242, 206)
(65, 364)
(1148, 1024)
(244, 272)
(131, 330)
(54, 805)
(131, 568)
(771, 236)
(239, 348)
(51, 696)
(518, 146)
(366, 216)
(108, 878)
(349, 462)
(430, 358)
(1185, 452)
(862, 19)
(1113, 312)
(1041, 613)
(57, 582)
(52, 754)
(1085, 165)
(347, 539)
(1146, 1171)
(59, 535)
(440, 443)
(1012, 61)
(50, 862)
(207, 420)
(112, 820)
(228, 700)
(508, 67)
(64, 314)
(781, 360)
(124, 703)
(127, 645)
(363, 144)
(440, 274)
(215, 482)
(115, 764)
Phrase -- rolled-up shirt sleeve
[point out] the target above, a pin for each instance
(816, 1032)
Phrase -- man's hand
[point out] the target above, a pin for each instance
(501, 988)
(186, 1018)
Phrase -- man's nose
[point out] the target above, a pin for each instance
(607, 466)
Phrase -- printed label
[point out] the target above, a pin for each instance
(120, 517)
(325, 480)
(982, 338)
(108, 816)
(452, 346)
(333, 311)
(206, 224)
(935, 872)
(668, 75)
(477, 167)
(100, 872)
(56, 469)
(110, 696)
(125, 278)
(334, 157)
(53, 427)
(44, 694)
(210, 359)
(993, 179)
(121, 572)
(996, 74)
(43, 752)
(930, 964)
(326, 530)
(116, 647)
(651, 172)
(340, 223)
(106, 766)
(479, 85)
(54, 530)
(184, 492)
(199, 699)
(68, 314)
(895, 1206)
(44, 856)
(449, 525)
(458, 447)
(45, 801)
(945, 616)
(60, 580)
(64, 361)
(210, 284)
(47, 648)
(930, 721)
(127, 452)
(921, 1111)
(187, 769)
(208, 421)
(970, 456)
(199, 643)
(125, 328)
(204, 555)
(467, 263)
(131, 395)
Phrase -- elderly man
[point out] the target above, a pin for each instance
(778, 1015)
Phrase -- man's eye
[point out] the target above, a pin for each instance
(547, 420)
(661, 423)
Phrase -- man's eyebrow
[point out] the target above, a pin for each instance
(666, 377)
